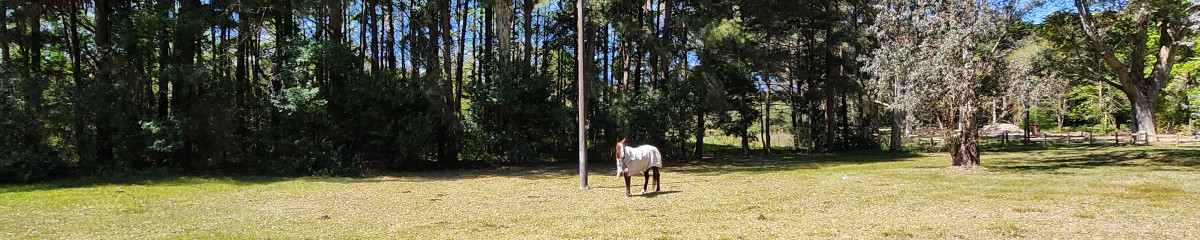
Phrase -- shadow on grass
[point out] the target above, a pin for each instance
(155, 179)
(170, 179)
(714, 165)
(784, 162)
(656, 194)
(1086, 157)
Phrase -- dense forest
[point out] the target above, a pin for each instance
(352, 87)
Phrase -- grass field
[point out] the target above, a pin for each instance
(1109, 192)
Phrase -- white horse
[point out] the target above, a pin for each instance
(644, 159)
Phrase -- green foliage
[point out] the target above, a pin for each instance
(24, 156)
(301, 100)
(515, 122)
(740, 106)
(164, 137)
(657, 120)
(359, 123)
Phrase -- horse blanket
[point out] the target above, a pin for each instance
(639, 159)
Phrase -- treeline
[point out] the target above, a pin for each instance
(347, 87)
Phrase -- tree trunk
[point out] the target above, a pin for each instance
(699, 150)
(35, 38)
(589, 53)
(104, 150)
(792, 92)
(363, 25)
(449, 155)
(187, 33)
(767, 116)
(489, 13)
(1143, 110)
(1028, 123)
(625, 53)
(73, 42)
(897, 144)
(35, 85)
(477, 48)
(664, 67)
(390, 43)
(528, 22)
(242, 68)
(607, 62)
(995, 112)
(462, 41)
(1061, 119)
(407, 54)
(374, 25)
(4, 54)
(964, 145)
(637, 69)
(164, 45)
(337, 18)
(745, 140)
(504, 12)
(828, 119)
(447, 42)
(83, 136)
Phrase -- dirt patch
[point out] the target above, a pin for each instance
(1001, 129)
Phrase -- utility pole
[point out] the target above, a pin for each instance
(582, 98)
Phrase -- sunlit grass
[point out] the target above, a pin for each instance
(1084, 192)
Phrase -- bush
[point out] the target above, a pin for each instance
(518, 122)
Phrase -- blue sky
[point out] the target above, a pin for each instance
(1049, 7)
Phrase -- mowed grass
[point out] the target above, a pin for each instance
(1106, 192)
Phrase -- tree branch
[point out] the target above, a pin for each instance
(1085, 18)
(1100, 76)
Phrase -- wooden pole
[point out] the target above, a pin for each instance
(582, 98)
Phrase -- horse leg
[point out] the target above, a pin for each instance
(646, 178)
(626, 185)
(656, 183)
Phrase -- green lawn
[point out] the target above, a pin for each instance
(1083, 192)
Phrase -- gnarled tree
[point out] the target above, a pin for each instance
(1172, 21)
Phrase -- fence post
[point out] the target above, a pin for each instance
(1005, 142)
(1091, 138)
(1045, 140)
(1117, 137)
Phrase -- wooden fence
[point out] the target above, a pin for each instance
(936, 143)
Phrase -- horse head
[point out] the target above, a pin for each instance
(620, 154)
